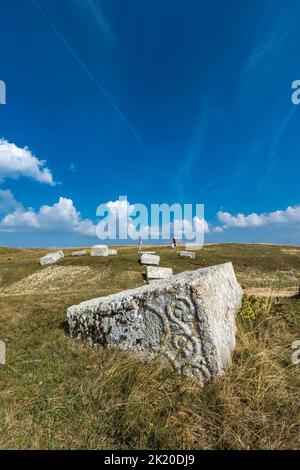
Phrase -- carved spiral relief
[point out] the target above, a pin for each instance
(180, 337)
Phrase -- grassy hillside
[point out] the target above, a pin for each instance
(57, 393)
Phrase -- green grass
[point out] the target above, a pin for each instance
(58, 393)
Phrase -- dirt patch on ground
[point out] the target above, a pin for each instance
(267, 292)
(291, 251)
(57, 278)
(66, 278)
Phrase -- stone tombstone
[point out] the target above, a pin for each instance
(158, 273)
(150, 259)
(51, 257)
(193, 246)
(188, 320)
(79, 253)
(188, 254)
(99, 250)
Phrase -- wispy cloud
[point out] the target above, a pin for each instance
(195, 152)
(101, 20)
(89, 74)
(270, 39)
(73, 167)
(258, 84)
(273, 157)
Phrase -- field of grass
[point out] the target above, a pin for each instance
(57, 393)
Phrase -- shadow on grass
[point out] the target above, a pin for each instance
(64, 325)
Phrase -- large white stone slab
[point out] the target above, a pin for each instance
(188, 319)
(112, 251)
(158, 273)
(150, 259)
(188, 254)
(99, 250)
(51, 257)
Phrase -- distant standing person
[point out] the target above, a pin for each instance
(174, 243)
(140, 244)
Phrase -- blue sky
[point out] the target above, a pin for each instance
(183, 101)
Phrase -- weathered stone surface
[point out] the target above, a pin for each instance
(111, 251)
(158, 273)
(147, 252)
(188, 254)
(79, 253)
(150, 259)
(99, 250)
(188, 319)
(51, 257)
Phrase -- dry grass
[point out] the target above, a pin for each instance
(56, 278)
(57, 393)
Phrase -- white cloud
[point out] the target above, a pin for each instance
(190, 227)
(61, 217)
(291, 215)
(16, 162)
(218, 229)
(7, 201)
